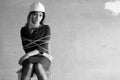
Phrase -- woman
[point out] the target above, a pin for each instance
(35, 36)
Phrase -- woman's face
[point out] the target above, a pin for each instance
(36, 18)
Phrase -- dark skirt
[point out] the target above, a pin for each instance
(37, 59)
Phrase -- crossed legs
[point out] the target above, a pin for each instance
(39, 71)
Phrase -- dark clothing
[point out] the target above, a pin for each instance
(38, 39)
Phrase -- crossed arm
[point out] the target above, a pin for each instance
(31, 43)
(32, 53)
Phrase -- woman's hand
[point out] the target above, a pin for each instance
(22, 59)
(32, 53)
(48, 56)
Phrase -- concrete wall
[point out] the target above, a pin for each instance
(85, 39)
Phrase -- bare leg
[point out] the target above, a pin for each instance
(26, 75)
(40, 72)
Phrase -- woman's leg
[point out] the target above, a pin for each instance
(40, 72)
(26, 74)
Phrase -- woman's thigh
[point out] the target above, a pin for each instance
(45, 63)
(27, 71)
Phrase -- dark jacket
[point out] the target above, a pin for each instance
(38, 39)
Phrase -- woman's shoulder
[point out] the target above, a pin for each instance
(46, 26)
(23, 29)
(47, 30)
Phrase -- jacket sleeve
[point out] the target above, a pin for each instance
(45, 40)
(25, 42)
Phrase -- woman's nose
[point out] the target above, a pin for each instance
(37, 17)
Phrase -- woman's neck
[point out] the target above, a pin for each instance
(34, 26)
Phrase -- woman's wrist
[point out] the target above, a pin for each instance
(27, 55)
(32, 53)
(48, 56)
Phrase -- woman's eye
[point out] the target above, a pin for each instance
(34, 14)
(40, 15)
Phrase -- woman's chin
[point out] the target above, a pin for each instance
(36, 24)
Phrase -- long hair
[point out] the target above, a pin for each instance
(29, 15)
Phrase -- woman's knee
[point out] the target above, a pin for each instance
(30, 66)
(40, 72)
(38, 66)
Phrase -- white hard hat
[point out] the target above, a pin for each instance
(37, 6)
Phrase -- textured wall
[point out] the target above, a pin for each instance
(85, 39)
